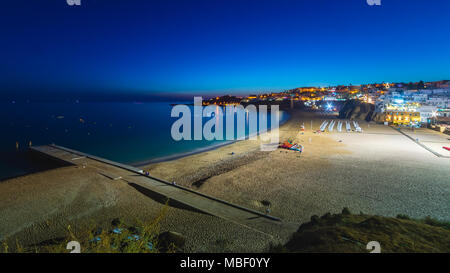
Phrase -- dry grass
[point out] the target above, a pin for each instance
(121, 238)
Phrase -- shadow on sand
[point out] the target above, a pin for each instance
(163, 199)
(25, 162)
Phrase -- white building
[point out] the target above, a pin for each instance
(438, 101)
(426, 113)
(440, 91)
(444, 113)
(419, 97)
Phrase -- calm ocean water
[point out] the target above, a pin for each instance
(123, 132)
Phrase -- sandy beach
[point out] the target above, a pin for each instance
(379, 171)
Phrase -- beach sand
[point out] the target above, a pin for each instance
(379, 171)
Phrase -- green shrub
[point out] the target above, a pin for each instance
(346, 211)
(403, 216)
(437, 223)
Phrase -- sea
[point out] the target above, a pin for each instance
(127, 132)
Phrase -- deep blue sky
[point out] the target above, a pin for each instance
(212, 46)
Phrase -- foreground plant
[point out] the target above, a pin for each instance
(120, 238)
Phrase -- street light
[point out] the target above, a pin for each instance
(434, 115)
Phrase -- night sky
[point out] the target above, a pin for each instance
(212, 46)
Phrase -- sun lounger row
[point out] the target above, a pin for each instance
(348, 126)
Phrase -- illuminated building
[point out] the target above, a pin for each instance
(402, 117)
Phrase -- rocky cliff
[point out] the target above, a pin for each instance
(354, 109)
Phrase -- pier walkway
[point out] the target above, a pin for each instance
(114, 171)
(428, 139)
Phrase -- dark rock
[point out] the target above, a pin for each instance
(354, 109)
(346, 211)
(134, 230)
(326, 215)
(314, 219)
(169, 238)
(116, 222)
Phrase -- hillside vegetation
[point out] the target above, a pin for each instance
(346, 232)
